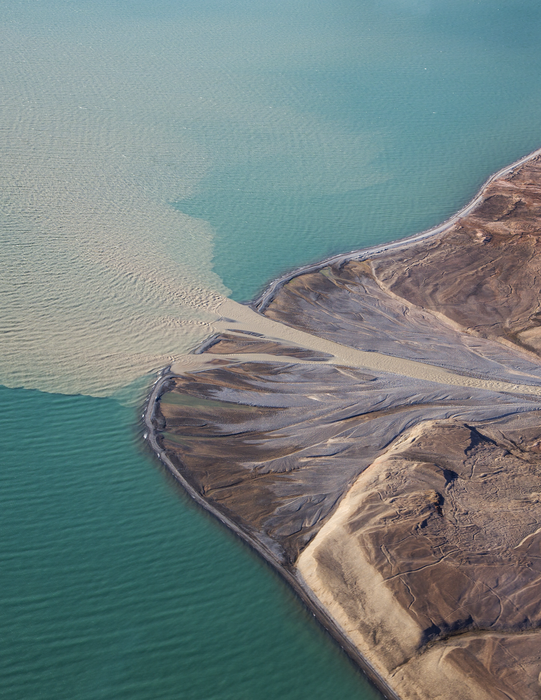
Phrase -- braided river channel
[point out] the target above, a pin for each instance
(156, 157)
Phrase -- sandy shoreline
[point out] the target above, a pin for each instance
(518, 384)
(261, 302)
(253, 540)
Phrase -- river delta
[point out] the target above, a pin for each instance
(372, 428)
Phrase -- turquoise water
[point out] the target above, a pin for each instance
(115, 586)
(420, 103)
(156, 157)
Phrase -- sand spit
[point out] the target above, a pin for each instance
(374, 432)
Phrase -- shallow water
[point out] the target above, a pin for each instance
(156, 157)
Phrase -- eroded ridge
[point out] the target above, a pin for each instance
(404, 506)
(432, 565)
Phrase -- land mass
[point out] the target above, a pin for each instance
(375, 434)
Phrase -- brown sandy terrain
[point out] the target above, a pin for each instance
(484, 273)
(432, 564)
(377, 436)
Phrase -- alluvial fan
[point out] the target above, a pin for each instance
(156, 157)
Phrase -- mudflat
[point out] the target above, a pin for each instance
(376, 435)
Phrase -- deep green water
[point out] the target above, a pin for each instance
(154, 156)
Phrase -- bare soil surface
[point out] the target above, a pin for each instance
(385, 446)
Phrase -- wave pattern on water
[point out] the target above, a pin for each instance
(138, 141)
(153, 154)
(114, 587)
(102, 279)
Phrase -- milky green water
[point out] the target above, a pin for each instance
(154, 158)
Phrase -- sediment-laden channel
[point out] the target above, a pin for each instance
(371, 426)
